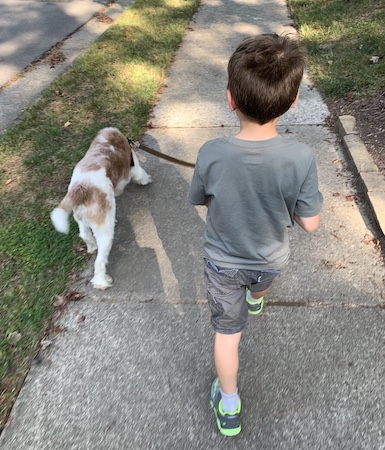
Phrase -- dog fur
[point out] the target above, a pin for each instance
(101, 175)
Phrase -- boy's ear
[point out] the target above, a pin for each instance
(230, 101)
(295, 101)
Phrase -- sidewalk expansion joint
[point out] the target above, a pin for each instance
(268, 303)
(316, 304)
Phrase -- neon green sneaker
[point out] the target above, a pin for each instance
(229, 424)
(254, 306)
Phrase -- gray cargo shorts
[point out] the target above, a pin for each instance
(226, 294)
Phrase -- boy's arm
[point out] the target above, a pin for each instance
(309, 224)
(309, 202)
(197, 193)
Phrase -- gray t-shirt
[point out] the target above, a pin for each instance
(253, 189)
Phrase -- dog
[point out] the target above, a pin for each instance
(108, 166)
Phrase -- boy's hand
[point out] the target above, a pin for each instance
(309, 224)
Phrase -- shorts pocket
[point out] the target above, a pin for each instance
(220, 281)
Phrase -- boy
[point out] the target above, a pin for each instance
(255, 185)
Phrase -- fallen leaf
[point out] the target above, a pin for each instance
(9, 181)
(60, 301)
(336, 161)
(81, 319)
(15, 336)
(341, 264)
(67, 124)
(327, 264)
(75, 296)
(330, 62)
(375, 243)
(9, 421)
(350, 198)
(103, 18)
(334, 233)
(45, 343)
(313, 303)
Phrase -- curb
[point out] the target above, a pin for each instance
(23, 92)
(371, 180)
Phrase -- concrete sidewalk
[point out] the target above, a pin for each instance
(135, 371)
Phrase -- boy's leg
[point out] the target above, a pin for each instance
(227, 361)
(225, 400)
(258, 288)
(258, 295)
(255, 301)
(226, 297)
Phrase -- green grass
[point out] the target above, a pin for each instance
(341, 37)
(114, 84)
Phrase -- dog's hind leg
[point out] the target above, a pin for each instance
(104, 236)
(86, 234)
(139, 175)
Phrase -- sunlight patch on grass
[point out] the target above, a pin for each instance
(341, 37)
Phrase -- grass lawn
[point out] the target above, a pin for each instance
(114, 84)
(341, 37)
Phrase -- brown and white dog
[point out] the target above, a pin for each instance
(101, 175)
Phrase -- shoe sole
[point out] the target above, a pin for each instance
(225, 431)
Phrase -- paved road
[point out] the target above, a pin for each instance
(28, 30)
(135, 374)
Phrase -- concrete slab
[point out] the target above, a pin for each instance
(140, 379)
(189, 102)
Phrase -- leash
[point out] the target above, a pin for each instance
(159, 154)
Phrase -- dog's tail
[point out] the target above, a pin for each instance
(59, 216)
(59, 219)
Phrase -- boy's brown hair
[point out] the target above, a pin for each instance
(264, 73)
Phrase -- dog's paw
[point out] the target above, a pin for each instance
(146, 179)
(101, 283)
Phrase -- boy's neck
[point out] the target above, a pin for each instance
(252, 131)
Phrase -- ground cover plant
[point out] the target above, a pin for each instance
(346, 44)
(114, 84)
